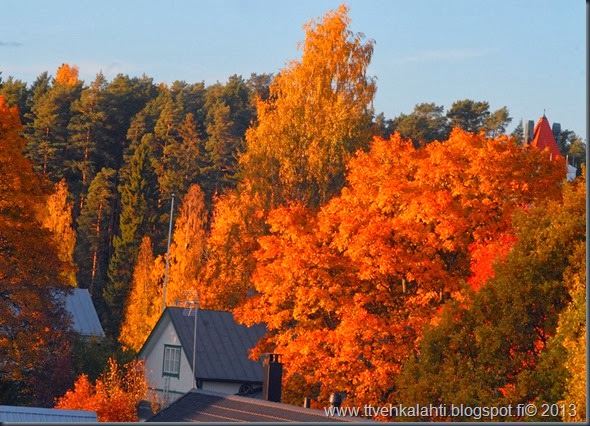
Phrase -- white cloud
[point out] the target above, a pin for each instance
(444, 55)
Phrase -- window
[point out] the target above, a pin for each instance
(171, 361)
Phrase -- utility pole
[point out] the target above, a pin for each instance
(168, 255)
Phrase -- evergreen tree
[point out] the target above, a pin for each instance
(89, 136)
(469, 115)
(47, 131)
(15, 93)
(497, 122)
(518, 133)
(138, 191)
(95, 234)
(125, 97)
(425, 124)
(184, 161)
(229, 112)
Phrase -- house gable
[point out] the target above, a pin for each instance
(222, 361)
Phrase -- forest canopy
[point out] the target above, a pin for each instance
(428, 258)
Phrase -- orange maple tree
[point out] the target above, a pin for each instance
(346, 292)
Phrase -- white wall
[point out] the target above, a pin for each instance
(153, 355)
(154, 359)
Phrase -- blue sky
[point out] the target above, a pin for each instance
(528, 55)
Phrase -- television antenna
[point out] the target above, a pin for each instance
(191, 309)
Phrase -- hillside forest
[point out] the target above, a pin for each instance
(427, 258)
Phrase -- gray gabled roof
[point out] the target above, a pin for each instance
(46, 415)
(84, 317)
(202, 406)
(223, 345)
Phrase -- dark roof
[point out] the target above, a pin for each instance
(46, 415)
(201, 406)
(84, 317)
(223, 345)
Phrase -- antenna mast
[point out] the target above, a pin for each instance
(168, 255)
(192, 309)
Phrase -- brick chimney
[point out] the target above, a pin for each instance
(273, 378)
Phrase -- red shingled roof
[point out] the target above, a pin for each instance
(543, 138)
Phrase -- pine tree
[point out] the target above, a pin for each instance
(138, 191)
(95, 235)
(15, 93)
(47, 131)
(88, 135)
(125, 97)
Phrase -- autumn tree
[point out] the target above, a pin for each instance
(34, 345)
(317, 115)
(237, 222)
(346, 293)
(144, 305)
(498, 347)
(571, 335)
(113, 396)
(187, 253)
(67, 75)
(57, 217)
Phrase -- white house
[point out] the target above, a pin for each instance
(222, 347)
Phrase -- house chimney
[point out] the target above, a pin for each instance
(273, 377)
(144, 410)
(307, 402)
(529, 130)
(556, 129)
(335, 399)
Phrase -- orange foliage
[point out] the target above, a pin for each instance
(187, 250)
(485, 255)
(144, 305)
(67, 75)
(346, 292)
(113, 397)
